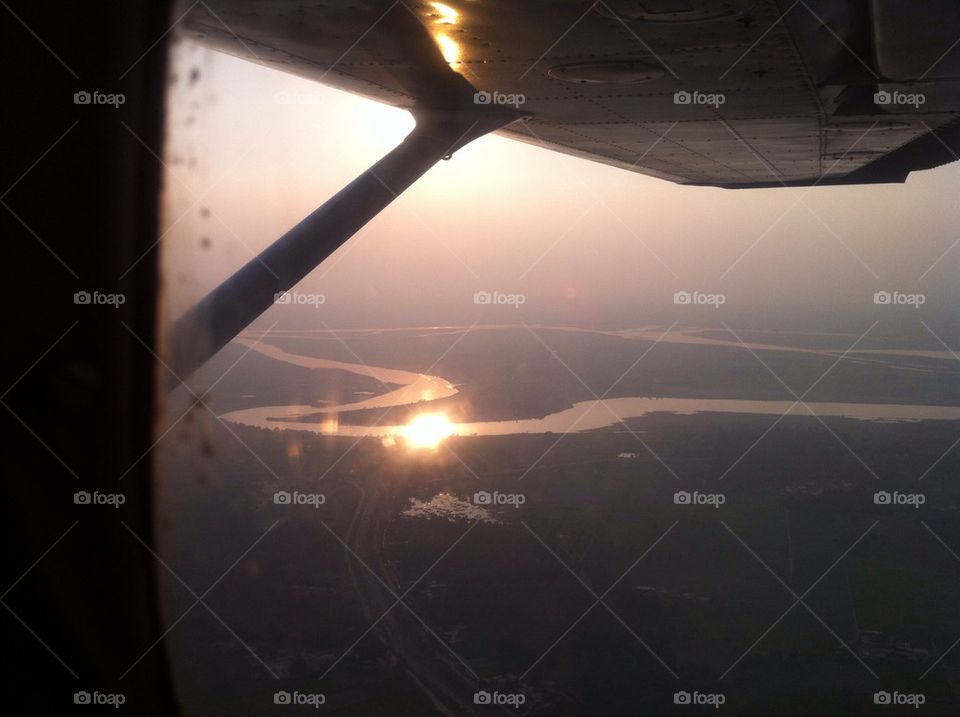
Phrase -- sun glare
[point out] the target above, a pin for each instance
(449, 48)
(448, 16)
(427, 430)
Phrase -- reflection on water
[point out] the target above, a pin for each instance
(448, 507)
(427, 430)
(583, 416)
(413, 387)
(589, 415)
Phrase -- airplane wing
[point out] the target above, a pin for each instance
(734, 93)
(742, 93)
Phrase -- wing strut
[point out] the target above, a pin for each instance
(231, 307)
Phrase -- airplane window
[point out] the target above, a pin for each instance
(628, 384)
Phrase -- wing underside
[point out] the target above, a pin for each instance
(733, 94)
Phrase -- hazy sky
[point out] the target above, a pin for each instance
(254, 150)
